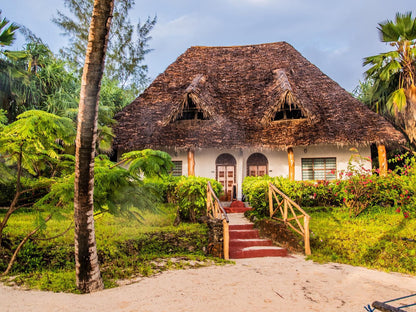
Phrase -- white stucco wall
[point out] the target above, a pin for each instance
(278, 161)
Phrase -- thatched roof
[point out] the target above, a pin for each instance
(238, 91)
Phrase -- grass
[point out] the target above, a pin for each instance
(379, 239)
(127, 249)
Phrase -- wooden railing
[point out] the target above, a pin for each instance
(288, 209)
(216, 211)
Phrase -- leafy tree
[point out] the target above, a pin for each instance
(118, 190)
(33, 144)
(37, 80)
(392, 74)
(126, 48)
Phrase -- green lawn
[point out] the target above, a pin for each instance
(127, 249)
(381, 239)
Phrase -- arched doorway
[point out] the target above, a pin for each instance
(257, 165)
(226, 175)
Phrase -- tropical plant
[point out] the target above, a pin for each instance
(33, 144)
(191, 194)
(392, 74)
(7, 32)
(126, 47)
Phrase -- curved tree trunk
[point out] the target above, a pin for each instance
(86, 259)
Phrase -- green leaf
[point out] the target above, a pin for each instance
(397, 100)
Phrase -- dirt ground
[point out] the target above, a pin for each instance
(259, 284)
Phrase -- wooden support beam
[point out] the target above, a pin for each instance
(382, 160)
(191, 163)
(291, 160)
(306, 236)
(226, 239)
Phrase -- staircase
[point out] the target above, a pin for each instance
(245, 241)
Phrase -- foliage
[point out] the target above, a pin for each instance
(125, 249)
(191, 194)
(38, 137)
(7, 32)
(390, 87)
(357, 189)
(37, 80)
(380, 239)
(148, 162)
(117, 189)
(127, 45)
(166, 186)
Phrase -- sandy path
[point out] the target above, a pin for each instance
(262, 284)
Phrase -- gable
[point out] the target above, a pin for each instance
(196, 103)
(283, 104)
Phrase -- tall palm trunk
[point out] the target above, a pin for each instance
(86, 259)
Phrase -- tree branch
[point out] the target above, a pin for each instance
(22, 243)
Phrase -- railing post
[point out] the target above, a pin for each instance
(307, 242)
(284, 210)
(270, 201)
(208, 199)
(226, 240)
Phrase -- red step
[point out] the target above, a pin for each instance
(258, 251)
(242, 243)
(241, 234)
(245, 242)
(236, 209)
(247, 226)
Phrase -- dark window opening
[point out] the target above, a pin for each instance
(288, 112)
(177, 168)
(191, 112)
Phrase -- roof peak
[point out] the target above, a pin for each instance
(242, 46)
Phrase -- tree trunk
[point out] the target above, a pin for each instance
(13, 205)
(86, 258)
(410, 115)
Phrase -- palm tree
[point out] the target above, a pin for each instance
(393, 73)
(7, 32)
(86, 259)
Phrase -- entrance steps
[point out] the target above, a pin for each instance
(235, 207)
(245, 241)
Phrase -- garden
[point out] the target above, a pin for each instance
(362, 218)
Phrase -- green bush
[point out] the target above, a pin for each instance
(357, 189)
(166, 186)
(191, 195)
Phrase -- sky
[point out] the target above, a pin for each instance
(335, 35)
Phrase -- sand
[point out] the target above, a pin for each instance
(259, 284)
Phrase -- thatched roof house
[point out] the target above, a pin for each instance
(246, 100)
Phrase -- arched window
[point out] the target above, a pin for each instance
(257, 165)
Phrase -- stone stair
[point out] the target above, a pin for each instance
(245, 241)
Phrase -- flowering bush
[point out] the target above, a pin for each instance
(357, 189)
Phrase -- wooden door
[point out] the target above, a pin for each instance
(257, 171)
(226, 176)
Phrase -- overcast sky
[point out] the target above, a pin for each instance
(335, 35)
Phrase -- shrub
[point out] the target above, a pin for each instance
(166, 186)
(191, 195)
(357, 190)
